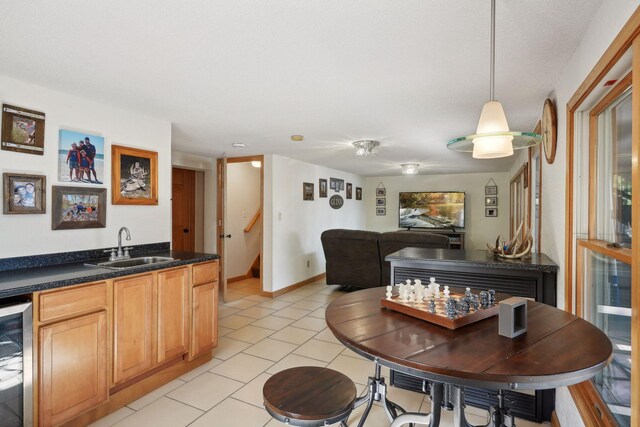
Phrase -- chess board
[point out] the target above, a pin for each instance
(421, 311)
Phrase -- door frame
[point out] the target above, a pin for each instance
(221, 211)
(192, 209)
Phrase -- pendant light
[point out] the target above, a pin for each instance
(493, 139)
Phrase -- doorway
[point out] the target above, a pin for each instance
(240, 226)
(187, 210)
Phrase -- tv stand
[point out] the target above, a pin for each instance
(456, 238)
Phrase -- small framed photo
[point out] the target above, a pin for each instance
(24, 194)
(491, 212)
(322, 186)
(307, 191)
(78, 207)
(381, 192)
(381, 211)
(349, 190)
(332, 183)
(22, 130)
(134, 176)
(358, 193)
(491, 201)
(381, 201)
(491, 190)
(80, 157)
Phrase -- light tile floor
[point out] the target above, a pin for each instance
(258, 338)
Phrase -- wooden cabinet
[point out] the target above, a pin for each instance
(205, 329)
(133, 326)
(173, 319)
(73, 367)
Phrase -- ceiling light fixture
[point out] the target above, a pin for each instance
(410, 168)
(239, 145)
(256, 163)
(297, 138)
(493, 139)
(366, 147)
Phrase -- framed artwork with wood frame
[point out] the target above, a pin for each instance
(24, 194)
(134, 176)
(22, 130)
(78, 208)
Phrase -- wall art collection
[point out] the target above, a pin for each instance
(336, 201)
(82, 160)
(491, 199)
(381, 200)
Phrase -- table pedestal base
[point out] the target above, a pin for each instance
(377, 392)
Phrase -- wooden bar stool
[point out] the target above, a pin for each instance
(309, 396)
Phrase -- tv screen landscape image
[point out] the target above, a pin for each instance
(432, 209)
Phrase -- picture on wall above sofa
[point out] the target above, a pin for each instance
(432, 209)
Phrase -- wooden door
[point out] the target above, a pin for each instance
(173, 321)
(133, 326)
(73, 367)
(222, 220)
(204, 336)
(183, 209)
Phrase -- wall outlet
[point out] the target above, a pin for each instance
(308, 263)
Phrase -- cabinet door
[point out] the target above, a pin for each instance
(204, 335)
(73, 367)
(173, 306)
(133, 326)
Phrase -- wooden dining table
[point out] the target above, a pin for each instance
(558, 349)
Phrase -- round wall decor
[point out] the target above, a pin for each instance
(549, 130)
(336, 201)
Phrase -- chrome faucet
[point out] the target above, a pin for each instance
(124, 254)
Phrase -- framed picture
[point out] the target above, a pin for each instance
(381, 211)
(336, 184)
(349, 190)
(491, 212)
(134, 176)
(78, 207)
(381, 192)
(307, 191)
(80, 157)
(491, 190)
(22, 130)
(332, 183)
(24, 194)
(341, 184)
(322, 187)
(490, 201)
(358, 193)
(381, 201)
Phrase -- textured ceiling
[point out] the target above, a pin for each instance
(412, 74)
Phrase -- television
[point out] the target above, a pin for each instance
(430, 209)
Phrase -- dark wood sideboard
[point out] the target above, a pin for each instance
(534, 278)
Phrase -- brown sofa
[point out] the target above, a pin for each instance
(355, 258)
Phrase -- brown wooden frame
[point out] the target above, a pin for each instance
(8, 113)
(521, 174)
(58, 192)
(116, 197)
(307, 191)
(590, 406)
(40, 183)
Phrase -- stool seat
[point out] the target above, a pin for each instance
(309, 396)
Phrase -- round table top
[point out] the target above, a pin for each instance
(558, 348)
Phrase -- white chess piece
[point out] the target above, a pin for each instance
(437, 291)
(389, 294)
(408, 282)
(418, 282)
(419, 293)
(446, 291)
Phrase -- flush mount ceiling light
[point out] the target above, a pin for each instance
(297, 138)
(493, 139)
(366, 147)
(239, 145)
(410, 168)
(256, 163)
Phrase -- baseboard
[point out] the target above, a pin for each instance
(555, 422)
(293, 287)
(238, 278)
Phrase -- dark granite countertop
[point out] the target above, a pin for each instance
(27, 279)
(477, 258)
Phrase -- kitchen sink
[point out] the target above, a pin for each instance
(131, 262)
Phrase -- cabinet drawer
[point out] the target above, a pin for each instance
(205, 273)
(72, 302)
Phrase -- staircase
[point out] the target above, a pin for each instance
(255, 267)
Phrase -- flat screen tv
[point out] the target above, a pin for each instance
(427, 209)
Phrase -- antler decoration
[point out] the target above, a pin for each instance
(518, 247)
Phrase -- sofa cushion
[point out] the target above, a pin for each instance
(352, 257)
(395, 240)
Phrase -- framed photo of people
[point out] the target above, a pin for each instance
(80, 157)
(24, 194)
(349, 190)
(78, 207)
(22, 130)
(322, 188)
(307, 191)
(134, 176)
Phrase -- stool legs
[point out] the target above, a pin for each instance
(377, 392)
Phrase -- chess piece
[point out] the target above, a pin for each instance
(419, 293)
(492, 297)
(432, 305)
(389, 288)
(437, 290)
(446, 291)
(450, 308)
(408, 282)
(484, 300)
(467, 292)
(418, 282)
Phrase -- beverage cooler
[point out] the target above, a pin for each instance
(15, 363)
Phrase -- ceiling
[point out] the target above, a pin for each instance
(412, 74)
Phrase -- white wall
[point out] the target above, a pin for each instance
(32, 234)
(243, 201)
(293, 226)
(606, 24)
(479, 229)
(208, 166)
